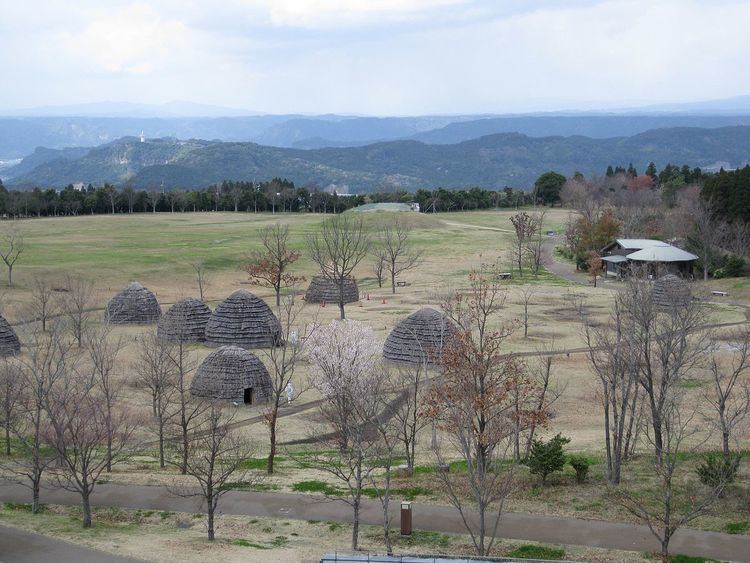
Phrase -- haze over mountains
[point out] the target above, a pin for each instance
(98, 143)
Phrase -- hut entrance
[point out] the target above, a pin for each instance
(249, 396)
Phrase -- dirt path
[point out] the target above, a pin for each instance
(546, 529)
(468, 226)
(20, 546)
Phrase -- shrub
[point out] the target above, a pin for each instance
(737, 527)
(732, 267)
(547, 457)
(580, 465)
(531, 551)
(717, 472)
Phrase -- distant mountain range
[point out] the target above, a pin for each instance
(90, 125)
(491, 161)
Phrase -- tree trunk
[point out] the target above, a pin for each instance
(161, 445)
(272, 429)
(10, 275)
(86, 508)
(7, 438)
(393, 282)
(355, 524)
(35, 485)
(211, 535)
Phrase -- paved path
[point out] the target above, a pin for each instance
(20, 546)
(444, 519)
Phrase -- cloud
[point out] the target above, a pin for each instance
(134, 39)
(330, 13)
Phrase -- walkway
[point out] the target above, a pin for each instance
(546, 529)
(20, 546)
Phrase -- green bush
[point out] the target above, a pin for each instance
(717, 472)
(737, 527)
(531, 551)
(580, 465)
(547, 457)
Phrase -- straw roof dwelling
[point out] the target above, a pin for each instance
(232, 373)
(419, 338)
(133, 305)
(10, 345)
(243, 319)
(670, 291)
(185, 321)
(325, 290)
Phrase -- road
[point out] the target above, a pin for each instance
(20, 546)
(530, 527)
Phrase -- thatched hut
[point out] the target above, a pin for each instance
(232, 373)
(325, 290)
(670, 291)
(185, 321)
(10, 345)
(243, 319)
(134, 305)
(419, 338)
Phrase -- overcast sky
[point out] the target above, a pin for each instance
(379, 57)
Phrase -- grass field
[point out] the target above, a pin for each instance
(158, 250)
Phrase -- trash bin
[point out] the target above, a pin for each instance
(405, 518)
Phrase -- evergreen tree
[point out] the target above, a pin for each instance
(651, 170)
(547, 457)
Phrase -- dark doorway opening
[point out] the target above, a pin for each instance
(249, 396)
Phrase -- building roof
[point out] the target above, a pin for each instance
(639, 243)
(617, 258)
(667, 253)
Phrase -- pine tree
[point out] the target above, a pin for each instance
(547, 457)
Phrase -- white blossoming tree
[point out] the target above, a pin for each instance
(346, 369)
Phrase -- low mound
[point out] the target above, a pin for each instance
(10, 345)
(232, 373)
(243, 319)
(185, 321)
(324, 290)
(133, 305)
(419, 338)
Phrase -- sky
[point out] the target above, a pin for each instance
(374, 57)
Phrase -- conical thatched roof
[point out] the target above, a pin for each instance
(325, 290)
(133, 305)
(9, 343)
(419, 337)
(243, 319)
(185, 321)
(670, 291)
(227, 372)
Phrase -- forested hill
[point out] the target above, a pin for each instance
(493, 161)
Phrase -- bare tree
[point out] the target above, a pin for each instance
(185, 411)
(218, 453)
(201, 278)
(174, 198)
(615, 364)
(43, 305)
(675, 505)
(394, 242)
(411, 384)
(739, 238)
(594, 265)
(527, 294)
(475, 406)
(282, 363)
(523, 229)
(80, 430)
(75, 304)
(11, 397)
(270, 266)
(50, 356)
(103, 350)
(729, 396)
(670, 344)
(536, 242)
(337, 249)
(379, 266)
(11, 247)
(156, 374)
(709, 232)
(129, 193)
(153, 199)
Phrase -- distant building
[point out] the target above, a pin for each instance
(657, 258)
